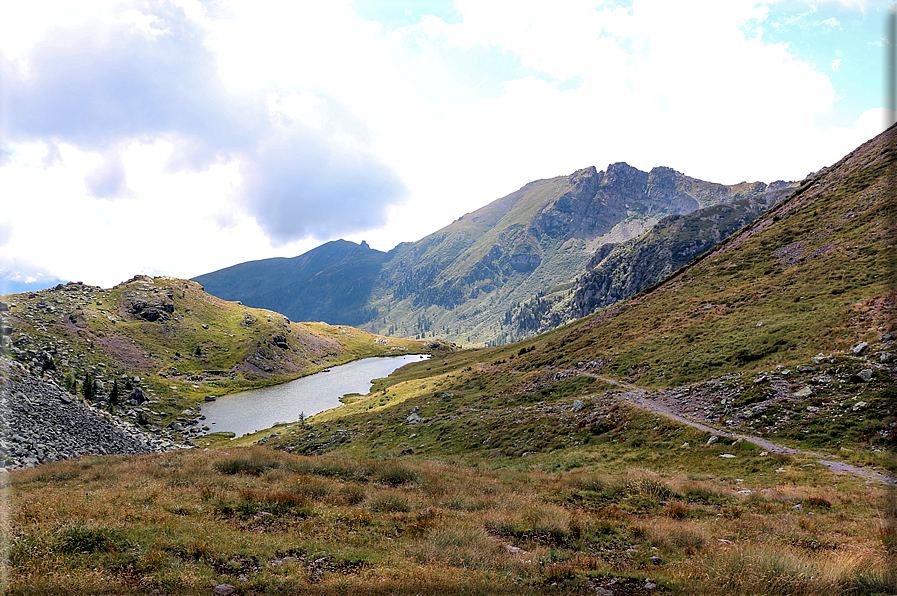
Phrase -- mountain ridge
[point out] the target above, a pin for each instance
(458, 281)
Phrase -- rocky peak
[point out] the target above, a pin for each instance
(623, 178)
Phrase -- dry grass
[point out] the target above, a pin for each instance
(270, 522)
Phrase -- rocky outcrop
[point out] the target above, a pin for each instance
(42, 422)
(618, 271)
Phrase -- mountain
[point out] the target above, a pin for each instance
(458, 282)
(332, 282)
(619, 271)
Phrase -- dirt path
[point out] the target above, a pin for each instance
(638, 397)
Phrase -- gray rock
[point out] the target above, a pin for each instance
(712, 440)
(224, 590)
(805, 369)
(859, 348)
(863, 376)
(44, 423)
(822, 359)
(577, 406)
(413, 418)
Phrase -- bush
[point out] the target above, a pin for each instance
(254, 464)
(81, 539)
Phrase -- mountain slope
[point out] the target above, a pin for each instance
(172, 340)
(785, 330)
(618, 271)
(459, 281)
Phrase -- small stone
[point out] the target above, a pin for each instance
(224, 590)
(724, 541)
(413, 418)
(858, 406)
(650, 585)
(656, 560)
(712, 440)
(727, 455)
(577, 405)
(859, 348)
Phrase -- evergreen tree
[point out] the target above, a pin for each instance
(88, 388)
(113, 395)
(70, 383)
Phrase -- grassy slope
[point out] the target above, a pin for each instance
(96, 330)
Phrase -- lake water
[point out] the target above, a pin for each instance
(251, 411)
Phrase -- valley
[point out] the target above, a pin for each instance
(730, 427)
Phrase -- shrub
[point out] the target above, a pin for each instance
(253, 463)
(83, 539)
(390, 504)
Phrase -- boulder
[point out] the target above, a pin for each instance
(863, 376)
(859, 348)
(136, 397)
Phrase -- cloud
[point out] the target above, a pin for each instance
(107, 181)
(150, 75)
(300, 186)
(5, 232)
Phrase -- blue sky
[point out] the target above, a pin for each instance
(177, 137)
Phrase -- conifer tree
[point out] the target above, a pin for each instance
(88, 388)
(113, 395)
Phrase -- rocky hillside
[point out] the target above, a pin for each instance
(42, 422)
(170, 341)
(458, 282)
(619, 271)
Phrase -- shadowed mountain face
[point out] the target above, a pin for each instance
(330, 283)
(459, 282)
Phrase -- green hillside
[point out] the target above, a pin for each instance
(808, 278)
(172, 340)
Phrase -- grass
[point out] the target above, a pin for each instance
(183, 521)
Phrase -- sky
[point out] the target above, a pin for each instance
(180, 137)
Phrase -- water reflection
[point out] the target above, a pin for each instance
(255, 410)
